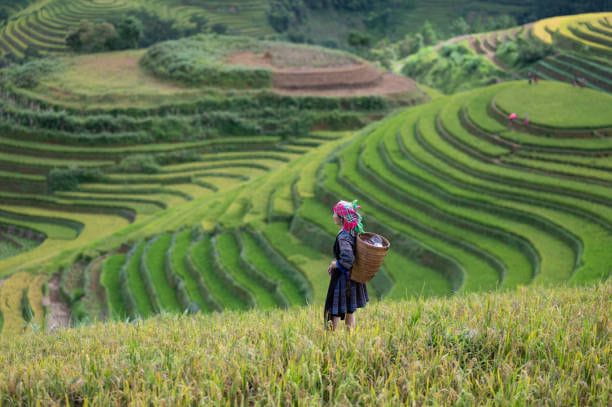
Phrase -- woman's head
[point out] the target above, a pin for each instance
(345, 214)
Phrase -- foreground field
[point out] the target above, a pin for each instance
(529, 347)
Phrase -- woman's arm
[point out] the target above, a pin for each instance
(346, 257)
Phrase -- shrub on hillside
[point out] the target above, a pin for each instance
(198, 60)
(130, 30)
(452, 68)
(178, 157)
(219, 28)
(282, 14)
(410, 44)
(430, 35)
(68, 179)
(92, 37)
(157, 29)
(521, 53)
(171, 128)
(28, 75)
(139, 163)
(359, 39)
(137, 29)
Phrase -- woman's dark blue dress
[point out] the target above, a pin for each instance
(344, 295)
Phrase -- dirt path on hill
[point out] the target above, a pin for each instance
(58, 313)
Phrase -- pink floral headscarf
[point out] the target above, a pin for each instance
(351, 219)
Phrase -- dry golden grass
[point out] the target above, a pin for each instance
(107, 79)
(541, 28)
(11, 292)
(528, 347)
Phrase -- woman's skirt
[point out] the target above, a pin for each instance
(344, 296)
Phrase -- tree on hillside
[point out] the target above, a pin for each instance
(460, 26)
(130, 31)
(92, 37)
(359, 40)
(284, 13)
(430, 36)
(411, 44)
(219, 28)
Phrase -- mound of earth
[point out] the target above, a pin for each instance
(354, 78)
(244, 63)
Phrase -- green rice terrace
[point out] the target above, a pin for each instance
(41, 27)
(135, 180)
(44, 25)
(573, 49)
(137, 210)
(167, 201)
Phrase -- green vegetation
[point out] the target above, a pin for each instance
(468, 203)
(547, 104)
(451, 68)
(190, 177)
(111, 281)
(153, 269)
(201, 255)
(42, 27)
(134, 288)
(572, 49)
(199, 60)
(526, 346)
(197, 177)
(360, 25)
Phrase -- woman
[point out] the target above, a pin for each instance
(344, 295)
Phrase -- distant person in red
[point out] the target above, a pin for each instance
(512, 118)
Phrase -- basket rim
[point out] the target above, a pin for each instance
(385, 240)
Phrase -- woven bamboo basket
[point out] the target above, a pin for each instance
(368, 258)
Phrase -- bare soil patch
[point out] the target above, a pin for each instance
(58, 312)
(350, 79)
(389, 84)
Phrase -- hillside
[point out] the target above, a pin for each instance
(41, 26)
(529, 347)
(103, 152)
(197, 174)
(574, 49)
(470, 202)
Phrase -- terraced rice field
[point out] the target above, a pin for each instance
(583, 32)
(43, 26)
(144, 241)
(235, 212)
(469, 201)
(581, 43)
